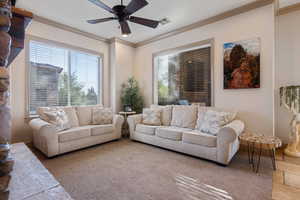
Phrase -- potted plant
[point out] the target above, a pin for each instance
(290, 98)
(131, 97)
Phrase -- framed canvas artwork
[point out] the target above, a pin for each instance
(242, 64)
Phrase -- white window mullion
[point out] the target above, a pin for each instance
(69, 78)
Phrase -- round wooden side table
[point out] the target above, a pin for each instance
(259, 142)
(125, 128)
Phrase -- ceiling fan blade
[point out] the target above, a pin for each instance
(96, 21)
(102, 5)
(146, 22)
(125, 28)
(134, 6)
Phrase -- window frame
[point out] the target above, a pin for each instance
(192, 46)
(68, 47)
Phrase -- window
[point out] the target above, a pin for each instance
(183, 75)
(62, 77)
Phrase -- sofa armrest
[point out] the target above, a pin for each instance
(227, 141)
(118, 121)
(45, 137)
(133, 120)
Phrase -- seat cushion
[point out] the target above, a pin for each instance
(146, 129)
(101, 129)
(199, 138)
(74, 134)
(171, 133)
(184, 116)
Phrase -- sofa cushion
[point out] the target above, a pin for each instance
(84, 114)
(213, 121)
(199, 138)
(146, 129)
(41, 112)
(101, 129)
(203, 109)
(151, 117)
(102, 116)
(72, 116)
(59, 119)
(166, 114)
(184, 116)
(74, 134)
(171, 133)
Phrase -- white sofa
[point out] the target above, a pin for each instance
(81, 134)
(220, 148)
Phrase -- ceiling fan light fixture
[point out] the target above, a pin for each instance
(164, 21)
(125, 35)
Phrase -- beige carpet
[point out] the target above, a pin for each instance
(126, 170)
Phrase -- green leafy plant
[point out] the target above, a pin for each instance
(131, 95)
(290, 98)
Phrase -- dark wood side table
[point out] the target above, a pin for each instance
(125, 128)
(256, 143)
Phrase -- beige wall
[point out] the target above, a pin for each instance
(255, 105)
(122, 58)
(20, 129)
(288, 66)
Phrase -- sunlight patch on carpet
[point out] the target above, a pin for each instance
(192, 189)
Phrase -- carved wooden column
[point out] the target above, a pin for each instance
(6, 164)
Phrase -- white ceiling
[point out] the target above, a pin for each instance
(74, 13)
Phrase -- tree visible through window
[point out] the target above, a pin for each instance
(62, 77)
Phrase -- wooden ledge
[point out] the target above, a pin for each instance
(22, 12)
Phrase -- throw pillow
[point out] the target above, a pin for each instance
(213, 121)
(203, 109)
(151, 117)
(102, 116)
(166, 114)
(41, 112)
(59, 119)
(85, 114)
(72, 116)
(184, 116)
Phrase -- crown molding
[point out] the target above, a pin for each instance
(288, 9)
(69, 28)
(222, 16)
(115, 39)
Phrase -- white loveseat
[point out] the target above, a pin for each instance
(81, 134)
(185, 139)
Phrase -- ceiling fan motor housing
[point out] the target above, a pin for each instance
(120, 12)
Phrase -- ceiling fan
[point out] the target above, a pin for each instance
(123, 15)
